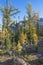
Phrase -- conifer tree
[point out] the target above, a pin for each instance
(32, 19)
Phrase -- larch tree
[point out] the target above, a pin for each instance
(7, 14)
(29, 19)
(32, 19)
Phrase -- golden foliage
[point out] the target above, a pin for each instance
(14, 48)
(22, 38)
(35, 38)
(33, 33)
(35, 16)
(19, 48)
(3, 34)
(2, 51)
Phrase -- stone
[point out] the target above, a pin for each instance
(41, 60)
(7, 62)
(19, 61)
(40, 46)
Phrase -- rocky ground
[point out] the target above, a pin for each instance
(21, 61)
(34, 59)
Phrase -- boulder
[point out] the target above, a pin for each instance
(19, 61)
(41, 60)
(7, 62)
(40, 46)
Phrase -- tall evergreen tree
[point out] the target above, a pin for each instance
(32, 19)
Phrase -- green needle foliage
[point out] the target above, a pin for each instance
(32, 18)
(8, 43)
(7, 14)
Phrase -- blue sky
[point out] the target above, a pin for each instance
(37, 5)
